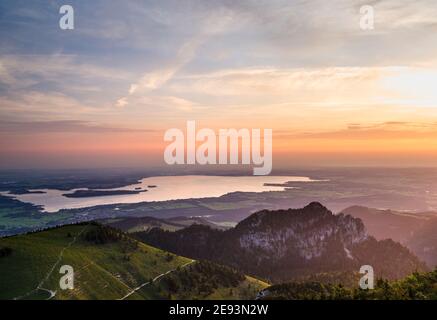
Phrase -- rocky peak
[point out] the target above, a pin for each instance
(309, 231)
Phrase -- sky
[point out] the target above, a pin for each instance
(103, 94)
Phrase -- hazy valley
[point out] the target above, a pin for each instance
(303, 241)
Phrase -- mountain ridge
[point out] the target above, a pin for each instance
(415, 230)
(283, 244)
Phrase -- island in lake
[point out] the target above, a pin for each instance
(21, 191)
(100, 193)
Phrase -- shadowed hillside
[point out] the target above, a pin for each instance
(286, 244)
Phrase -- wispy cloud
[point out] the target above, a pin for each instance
(20, 71)
(276, 81)
(43, 105)
(64, 126)
(213, 24)
(391, 130)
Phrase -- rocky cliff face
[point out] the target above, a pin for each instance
(305, 232)
(285, 244)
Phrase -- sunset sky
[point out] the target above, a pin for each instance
(103, 94)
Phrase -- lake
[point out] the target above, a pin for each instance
(167, 188)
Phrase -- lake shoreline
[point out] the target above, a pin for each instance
(164, 188)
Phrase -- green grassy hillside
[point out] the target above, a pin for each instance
(107, 264)
(203, 280)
